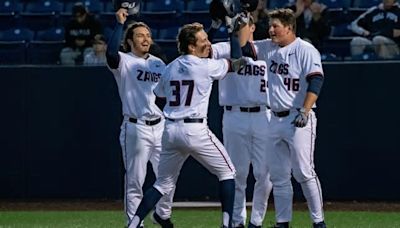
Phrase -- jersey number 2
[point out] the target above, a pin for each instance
(177, 92)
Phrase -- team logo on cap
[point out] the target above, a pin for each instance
(128, 5)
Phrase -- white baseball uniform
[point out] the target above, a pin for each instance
(243, 94)
(142, 127)
(186, 84)
(292, 148)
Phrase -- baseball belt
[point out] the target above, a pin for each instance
(188, 120)
(147, 122)
(283, 113)
(245, 109)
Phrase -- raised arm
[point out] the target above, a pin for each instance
(115, 39)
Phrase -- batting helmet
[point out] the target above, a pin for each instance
(133, 6)
(221, 8)
(249, 5)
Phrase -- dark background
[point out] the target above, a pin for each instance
(59, 135)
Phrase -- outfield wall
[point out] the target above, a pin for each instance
(60, 128)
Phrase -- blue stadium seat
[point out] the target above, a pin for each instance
(334, 4)
(43, 7)
(107, 19)
(160, 19)
(198, 5)
(221, 34)
(272, 4)
(44, 52)
(168, 33)
(10, 7)
(51, 34)
(9, 10)
(16, 34)
(155, 6)
(161, 13)
(366, 3)
(197, 11)
(41, 14)
(169, 47)
(94, 6)
(202, 17)
(109, 7)
(12, 52)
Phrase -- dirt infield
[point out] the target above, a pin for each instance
(86, 205)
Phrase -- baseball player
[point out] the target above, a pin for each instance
(295, 77)
(186, 84)
(244, 96)
(137, 73)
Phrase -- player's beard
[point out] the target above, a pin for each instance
(142, 49)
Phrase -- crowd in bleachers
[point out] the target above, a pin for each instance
(33, 32)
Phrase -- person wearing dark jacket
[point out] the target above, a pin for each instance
(79, 32)
(379, 30)
(312, 22)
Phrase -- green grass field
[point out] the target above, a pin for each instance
(185, 218)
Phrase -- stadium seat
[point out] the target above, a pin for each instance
(366, 3)
(168, 33)
(335, 4)
(221, 34)
(107, 19)
(44, 52)
(9, 10)
(169, 47)
(94, 6)
(202, 17)
(51, 34)
(109, 7)
(272, 4)
(198, 5)
(197, 11)
(12, 52)
(159, 20)
(41, 14)
(161, 13)
(17, 34)
(10, 7)
(156, 6)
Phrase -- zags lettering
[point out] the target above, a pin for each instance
(148, 76)
(282, 68)
(251, 70)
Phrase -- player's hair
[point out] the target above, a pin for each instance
(129, 33)
(285, 16)
(187, 36)
(251, 20)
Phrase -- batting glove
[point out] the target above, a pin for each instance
(301, 119)
(233, 24)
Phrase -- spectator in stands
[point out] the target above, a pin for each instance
(79, 32)
(379, 30)
(312, 21)
(261, 21)
(97, 55)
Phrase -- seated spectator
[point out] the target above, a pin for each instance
(379, 30)
(261, 21)
(79, 32)
(312, 21)
(97, 55)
